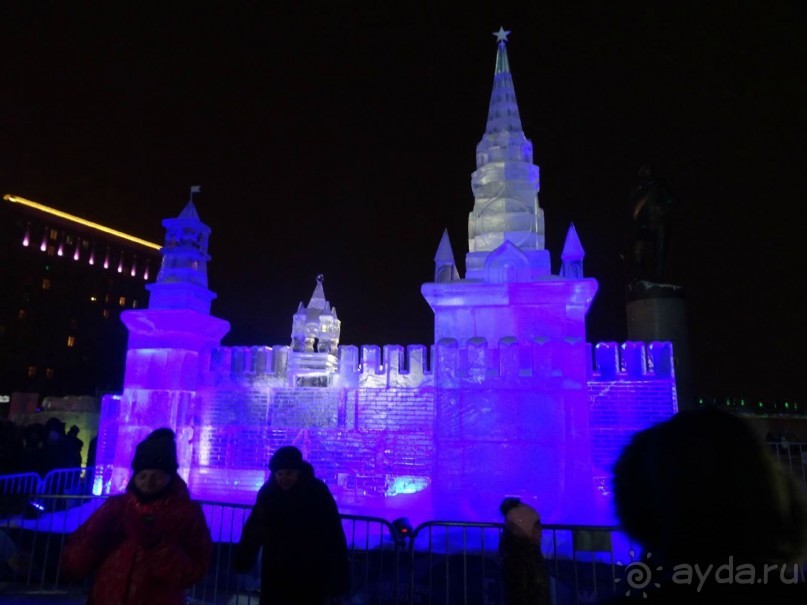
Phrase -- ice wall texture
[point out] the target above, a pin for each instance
(508, 400)
(373, 436)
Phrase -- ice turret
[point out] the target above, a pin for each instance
(314, 341)
(315, 327)
(572, 255)
(445, 268)
(506, 182)
(182, 280)
(178, 312)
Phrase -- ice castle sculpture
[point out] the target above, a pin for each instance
(510, 399)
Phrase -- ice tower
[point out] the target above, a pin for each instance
(518, 421)
(315, 331)
(168, 342)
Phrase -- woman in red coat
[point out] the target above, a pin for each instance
(148, 545)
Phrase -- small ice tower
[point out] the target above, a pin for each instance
(314, 340)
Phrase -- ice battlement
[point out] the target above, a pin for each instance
(447, 364)
(630, 360)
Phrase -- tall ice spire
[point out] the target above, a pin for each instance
(506, 182)
(503, 111)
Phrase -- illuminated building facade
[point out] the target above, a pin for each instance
(509, 399)
(65, 282)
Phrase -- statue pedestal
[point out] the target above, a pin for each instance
(657, 312)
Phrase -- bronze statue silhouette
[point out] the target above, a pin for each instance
(648, 229)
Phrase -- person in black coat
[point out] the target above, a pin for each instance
(524, 573)
(296, 524)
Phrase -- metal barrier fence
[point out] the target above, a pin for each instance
(16, 490)
(457, 562)
(58, 482)
(793, 456)
(437, 562)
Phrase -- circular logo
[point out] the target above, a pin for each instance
(638, 575)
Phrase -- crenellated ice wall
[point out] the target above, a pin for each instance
(376, 433)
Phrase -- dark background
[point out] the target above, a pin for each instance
(339, 138)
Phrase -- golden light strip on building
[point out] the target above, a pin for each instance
(21, 200)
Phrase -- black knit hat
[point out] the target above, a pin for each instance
(157, 451)
(287, 457)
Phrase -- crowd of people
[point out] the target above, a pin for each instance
(697, 491)
(41, 447)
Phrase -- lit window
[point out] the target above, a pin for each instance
(51, 250)
(134, 304)
(54, 234)
(49, 373)
(107, 298)
(31, 371)
(71, 341)
(122, 301)
(105, 313)
(22, 314)
(46, 284)
(69, 239)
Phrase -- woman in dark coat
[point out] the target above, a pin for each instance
(524, 573)
(296, 522)
(148, 545)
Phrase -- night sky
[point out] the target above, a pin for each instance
(339, 139)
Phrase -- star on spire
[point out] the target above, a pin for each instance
(501, 35)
